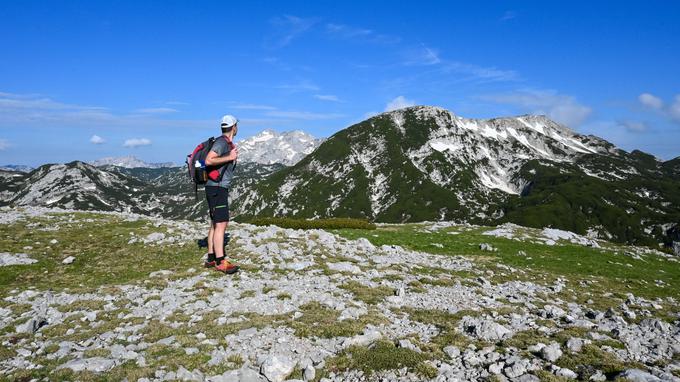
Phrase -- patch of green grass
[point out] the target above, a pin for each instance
(86, 305)
(321, 321)
(592, 357)
(367, 294)
(383, 355)
(283, 296)
(247, 293)
(92, 246)
(331, 223)
(445, 322)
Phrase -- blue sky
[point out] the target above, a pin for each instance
(84, 80)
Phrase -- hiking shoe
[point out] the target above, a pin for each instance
(209, 264)
(227, 267)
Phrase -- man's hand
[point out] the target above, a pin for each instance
(233, 154)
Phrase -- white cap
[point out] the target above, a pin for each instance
(228, 121)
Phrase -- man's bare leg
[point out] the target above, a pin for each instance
(218, 239)
(211, 232)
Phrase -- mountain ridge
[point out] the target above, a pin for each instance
(425, 163)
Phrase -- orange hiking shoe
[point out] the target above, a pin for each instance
(227, 267)
(210, 261)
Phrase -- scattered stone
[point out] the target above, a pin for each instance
(94, 364)
(598, 376)
(344, 267)
(551, 352)
(153, 237)
(277, 368)
(452, 351)
(309, 373)
(487, 247)
(32, 325)
(365, 339)
(637, 375)
(566, 373)
(7, 259)
(68, 260)
(575, 344)
(484, 329)
(406, 344)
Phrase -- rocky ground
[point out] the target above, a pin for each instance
(118, 297)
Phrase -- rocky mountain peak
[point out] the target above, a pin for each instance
(269, 147)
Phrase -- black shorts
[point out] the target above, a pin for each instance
(218, 203)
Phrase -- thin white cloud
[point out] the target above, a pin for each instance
(299, 86)
(289, 28)
(634, 126)
(156, 110)
(302, 115)
(97, 140)
(137, 142)
(348, 32)
(250, 106)
(508, 15)
(651, 101)
(422, 55)
(562, 108)
(672, 111)
(327, 97)
(399, 103)
(4, 144)
(31, 110)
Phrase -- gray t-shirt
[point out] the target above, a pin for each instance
(222, 148)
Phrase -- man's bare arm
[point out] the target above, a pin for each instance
(214, 160)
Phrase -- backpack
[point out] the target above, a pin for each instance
(199, 172)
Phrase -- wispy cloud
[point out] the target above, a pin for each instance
(327, 97)
(430, 57)
(31, 110)
(137, 142)
(399, 103)
(634, 126)
(650, 101)
(97, 140)
(299, 86)
(421, 55)
(156, 110)
(656, 104)
(559, 107)
(252, 106)
(288, 28)
(348, 32)
(482, 73)
(302, 115)
(4, 144)
(508, 15)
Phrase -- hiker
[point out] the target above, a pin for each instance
(222, 157)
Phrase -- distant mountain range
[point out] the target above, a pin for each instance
(16, 167)
(163, 191)
(130, 161)
(414, 164)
